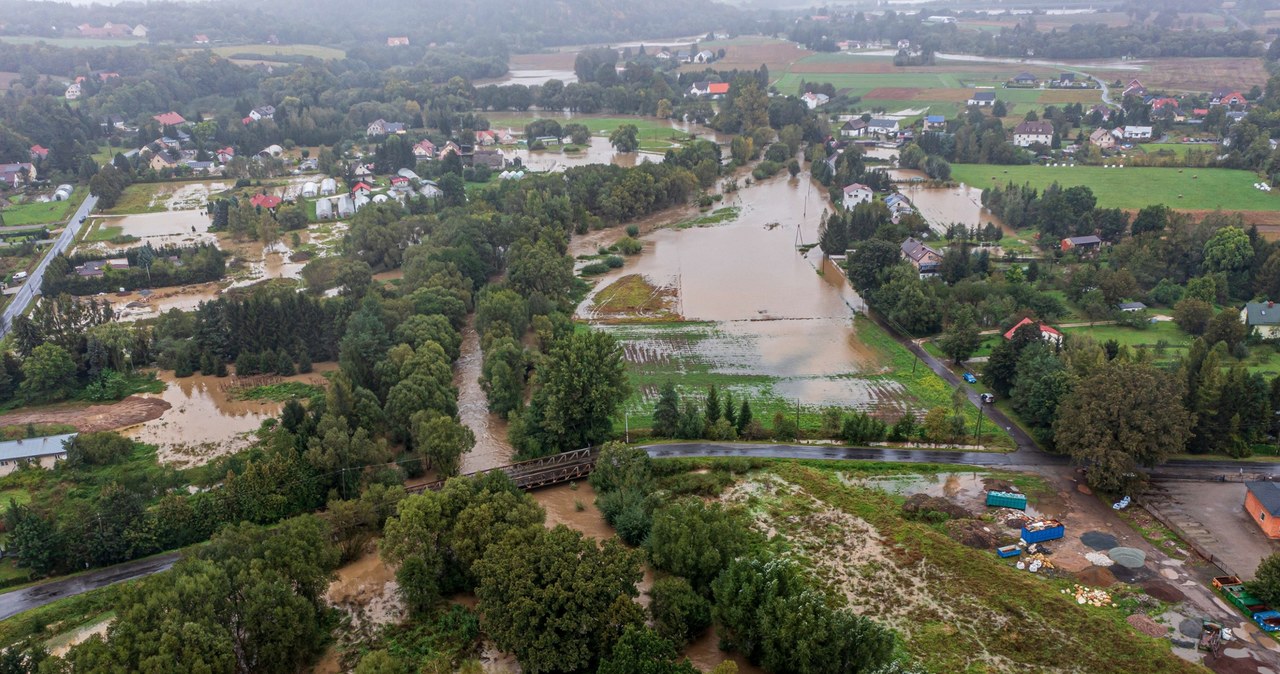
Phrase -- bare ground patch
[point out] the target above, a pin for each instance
(91, 418)
(893, 93)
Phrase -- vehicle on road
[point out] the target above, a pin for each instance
(988, 398)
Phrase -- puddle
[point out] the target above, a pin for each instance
(59, 645)
(965, 489)
(203, 422)
(492, 448)
(172, 228)
(559, 502)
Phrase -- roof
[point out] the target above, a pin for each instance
(1044, 328)
(1037, 128)
(935, 119)
(30, 448)
(1262, 313)
(1099, 133)
(1131, 305)
(170, 119)
(1084, 240)
(361, 186)
(265, 200)
(718, 88)
(1024, 76)
(917, 250)
(1267, 493)
(883, 123)
(855, 187)
(983, 96)
(854, 125)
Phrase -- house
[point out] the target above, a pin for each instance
(328, 186)
(713, 89)
(1137, 133)
(684, 57)
(1134, 88)
(201, 38)
(1024, 79)
(664, 55)
(494, 159)
(1047, 333)
(104, 76)
(163, 159)
(310, 189)
(361, 188)
(73, 91)
(853, 128)
(925, 259)
(983, 99)
(401, 41)
(935, 123)
(1102, 138)
(704, 56)
(1263, 318)
(139, 31)
(38, 152)
(399, 183)
(882, 126)
(1067, 79)
(382, 127)
(1131, 307)
(92, 269)
(855, 194)
(1236, 115)
(226, 154)
(201, 167)
(111, 122)
(898, 205)
(324, 209)
(408, 173)
(1104, 112)
(1262, 502)
(170, 119)
(263, 112)
(451, 147)
(812, 100)
(1227, 97)
(15, 175)
(904, 44)
(267, 201)
(43, 452)
(1159, 104)
(486, 138)
(431, 191)
(1085, 244)
(1027, 134)
(118, 263)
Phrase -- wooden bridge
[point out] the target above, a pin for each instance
(536, 473)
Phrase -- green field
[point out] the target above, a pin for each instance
(50, 212)
(137, 198)
(649, 127)
(267, 51)
(72, 42)
(1134, 188)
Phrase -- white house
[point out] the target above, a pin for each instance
(1027, 134)
(983, 99)
(853, 128)
(855, 194)
(43, 452)
(812, 100)
(73, 91)
(704, 56)
(882, 126)
(1137, 133)
(140, 31)
(1262, 317)
(263, 112)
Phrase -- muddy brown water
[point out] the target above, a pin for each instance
(203, 421)
(942, 206)
(492, 449)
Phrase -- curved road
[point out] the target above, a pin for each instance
(31, 287)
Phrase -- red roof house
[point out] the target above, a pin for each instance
(266, 201)
(1047, 333)
(361, 187)
(39, 152)
(718, 88)
(170, 119)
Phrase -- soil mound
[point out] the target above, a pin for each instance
(972, 534)
(1225, 665)
(1096, 576)
(918, 504)
(1143, 623)
(91, 418)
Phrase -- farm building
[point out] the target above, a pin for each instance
(1262, 502)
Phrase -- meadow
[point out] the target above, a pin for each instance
(1135, 187)
(267, 51)
(41, 213)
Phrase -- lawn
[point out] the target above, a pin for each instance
(267, 51)
(37, 213)
(100, 231)
(1135, 187)
(1167, 331)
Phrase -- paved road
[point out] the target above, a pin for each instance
(700, 449)
(13, 603)
(31, 287)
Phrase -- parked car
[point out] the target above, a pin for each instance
(988, 397)
(968, 376)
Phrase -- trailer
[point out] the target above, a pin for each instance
(1007, 551)
(1042, 530)
(1005, 499)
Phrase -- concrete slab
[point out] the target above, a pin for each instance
(1213, 514)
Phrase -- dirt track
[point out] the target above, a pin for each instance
(87, 419)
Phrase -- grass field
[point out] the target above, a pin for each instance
(267, 51)
(71, 42)
(51, 212)
(1134, 188)
(99, 232)
(649, 127)
(137, 198)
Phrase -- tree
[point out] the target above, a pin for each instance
(1193, 315)
(999, 109)
(442, 440)
(1230, 252)
(584, 381)
(1226, 327)
(48, 374)
(1039, 385)
(1266, 583)
(744, 417)
(643, 651)
(626, 138)
(696, 540)
(961, 338)
(578, 595)
(34, 539)
(679, 612)
(712, 405)
(382, 662)
(666, 413)
(1123, 416)
(1153, 218)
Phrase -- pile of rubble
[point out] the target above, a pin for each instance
(1090, 596)
(1035, 562)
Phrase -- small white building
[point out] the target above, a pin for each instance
(73, 91)
(883, 126)
(983, 99)
(812, 100)
(1137, 133)
(328, 186)
(43, 452)
(309, 189)
(855, 194)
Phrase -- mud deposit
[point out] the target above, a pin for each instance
(87, 419)
(366, 589)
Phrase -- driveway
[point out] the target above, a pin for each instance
(1213, 515)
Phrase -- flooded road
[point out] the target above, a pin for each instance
(205, 421)
(492, 448)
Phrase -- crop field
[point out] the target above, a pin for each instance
(267, 51)
(748, 53)
(1133, 188)
(1188, 74)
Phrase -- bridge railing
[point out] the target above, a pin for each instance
(534, 473)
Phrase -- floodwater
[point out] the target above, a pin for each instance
(533, 76)
(705, 654)
(59, 645)
(942, 206)
(492, 448)
(599, 151)
(204, 421)
(135, 305)
(966, 489)
(172, 228)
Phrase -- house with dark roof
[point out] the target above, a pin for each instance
(1083, 244)
(983, 99)
(1027, 134)
(1262, 502)
(1262, 318)
(925, 259)
(1024, 78)
(1131, 307)
(1228, 97)
(853, 128)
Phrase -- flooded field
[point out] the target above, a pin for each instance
(598, 152)
(942, 206)
(204, 421)
(173, 228)
(967, 489)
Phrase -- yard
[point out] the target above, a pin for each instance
(1133, 188)
(38, 213)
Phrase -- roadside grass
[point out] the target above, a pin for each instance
(100, 231)
(1045, 628)
(37, 213)
(1135, 187)
(267, 51)
(51, 619)
(33, 431)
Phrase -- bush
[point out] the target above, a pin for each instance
(614, 262)
(633, 231)
(595, 269)
(629, 246)
(629, 512)
(679, 613)
(785, 428)
(98, 449)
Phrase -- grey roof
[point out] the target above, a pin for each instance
(984, 96)
(1262, 313)
(1084, 240)
(917, 250)
(1267, 493)
(1136, 306)
(31, 448)
(882, 123)
(1036, 128)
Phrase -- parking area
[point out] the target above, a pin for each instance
(1213, 515)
